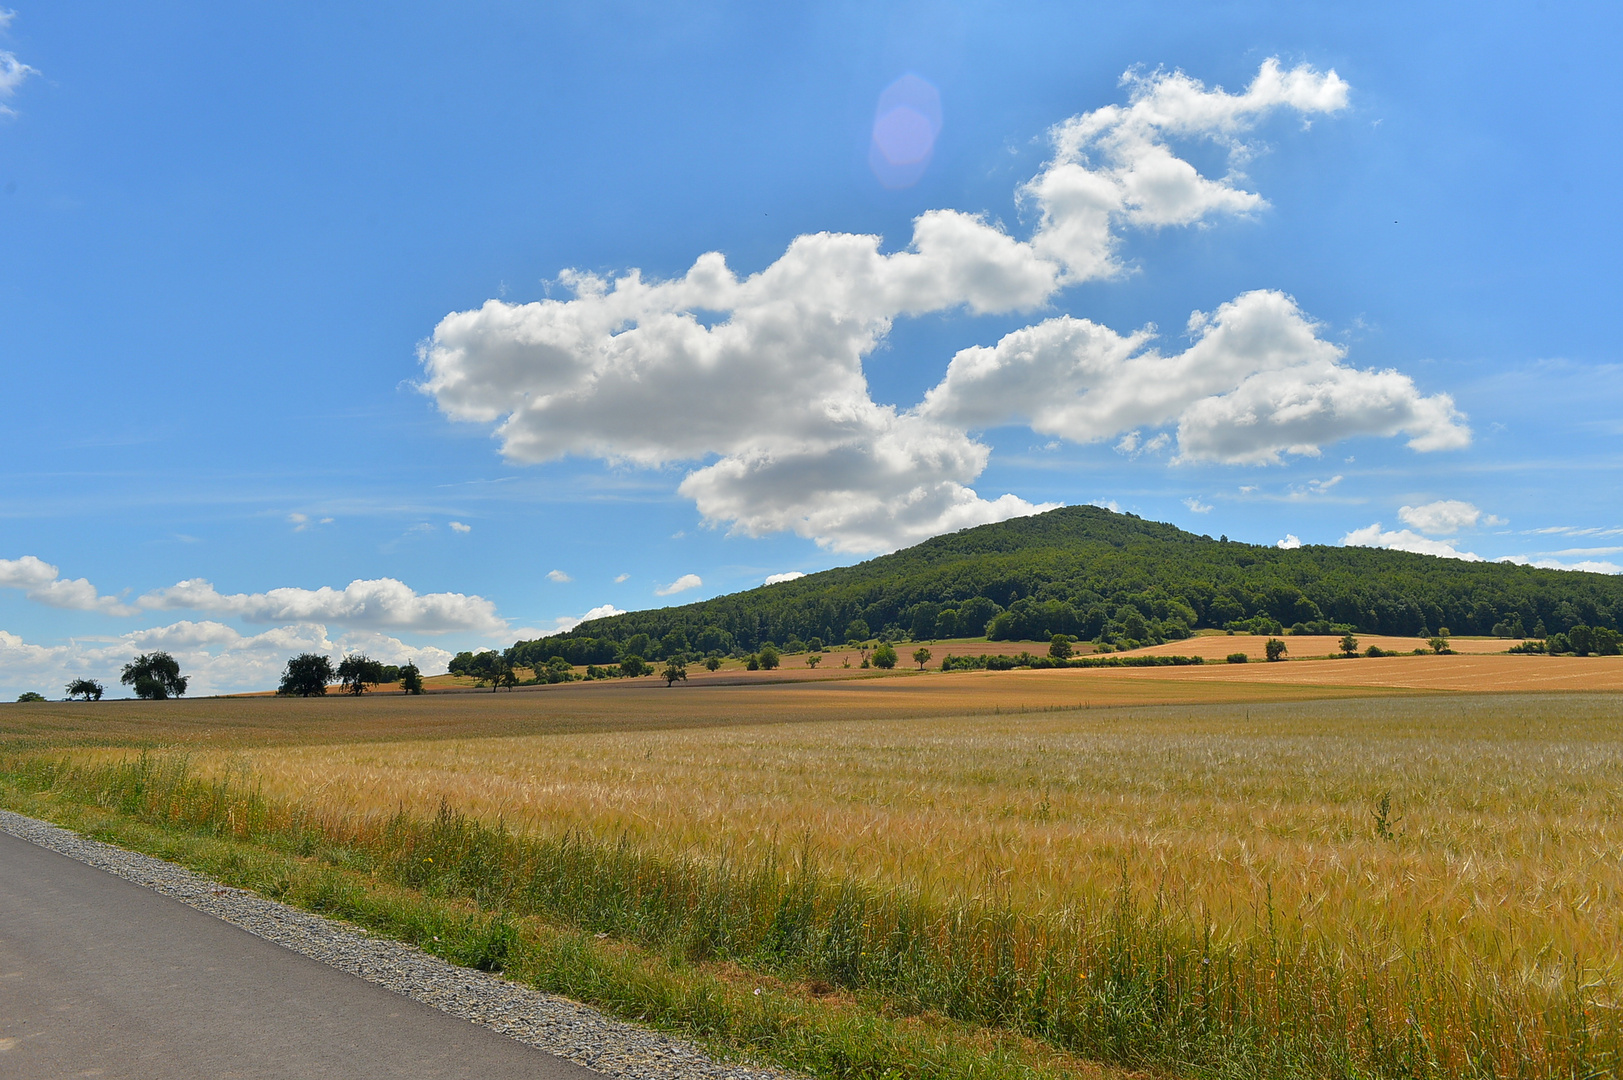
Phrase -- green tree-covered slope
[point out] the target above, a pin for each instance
(1086, 571)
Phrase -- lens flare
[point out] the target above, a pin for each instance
(906, 123)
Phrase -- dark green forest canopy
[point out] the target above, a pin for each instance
(1095, 574)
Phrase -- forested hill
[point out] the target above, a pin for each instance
(1086, 571)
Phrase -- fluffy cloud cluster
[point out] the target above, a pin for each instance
(762, 376)
(378, 604)
(1445, 516)
(382, 603)
(569, 622)
(215, 657)
(1256, 383)
(44, 584)
(1406, 540)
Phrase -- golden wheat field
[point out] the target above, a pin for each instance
(1452, 820)
(1220, 785)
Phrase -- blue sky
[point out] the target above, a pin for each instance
(294, 299)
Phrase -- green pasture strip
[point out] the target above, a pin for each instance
(1127, 981)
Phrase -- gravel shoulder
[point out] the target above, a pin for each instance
(556, 1025)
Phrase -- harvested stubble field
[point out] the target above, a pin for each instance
(1303, 868)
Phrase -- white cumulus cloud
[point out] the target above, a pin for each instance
(1441, 517)
(1257, 382)
(569, 622)
(43, 583)
(788, 575)
(1405, 540)
(1290, 543)
(681, 584)
(758, 381)
(381, 603)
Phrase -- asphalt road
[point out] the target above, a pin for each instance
(101, 977)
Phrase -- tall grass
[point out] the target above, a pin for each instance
(1134, 977)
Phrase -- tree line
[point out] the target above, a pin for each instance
(156, 677)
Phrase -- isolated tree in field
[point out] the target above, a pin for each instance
(85, 689)
(30, 695)
(921, 657)
(503, 675)
(154, 676)
(1439, 645)
(674, 670)
(306, 675)
(411, 679)
(813, 660)
(1349, 645)
(358, 671)
(633, 666)
(1274, 648)
(1059, 647)
(884, 656)
(769, 656)
(713, 663)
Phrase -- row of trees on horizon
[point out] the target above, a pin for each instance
(156, 677)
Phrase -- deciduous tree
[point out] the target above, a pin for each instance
(306, 675)
(154, 676)
(86, 689)
(358, 671)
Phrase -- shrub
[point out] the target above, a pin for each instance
(1275, 649)
(1238, 658)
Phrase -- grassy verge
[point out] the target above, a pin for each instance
(735, 1013)
(856, 981)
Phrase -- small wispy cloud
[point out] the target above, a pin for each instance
(621, 579)
(13, 72)
(558, 577)
(681, 584)
(1315, 487)
(457, 526)
(1196, 506)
